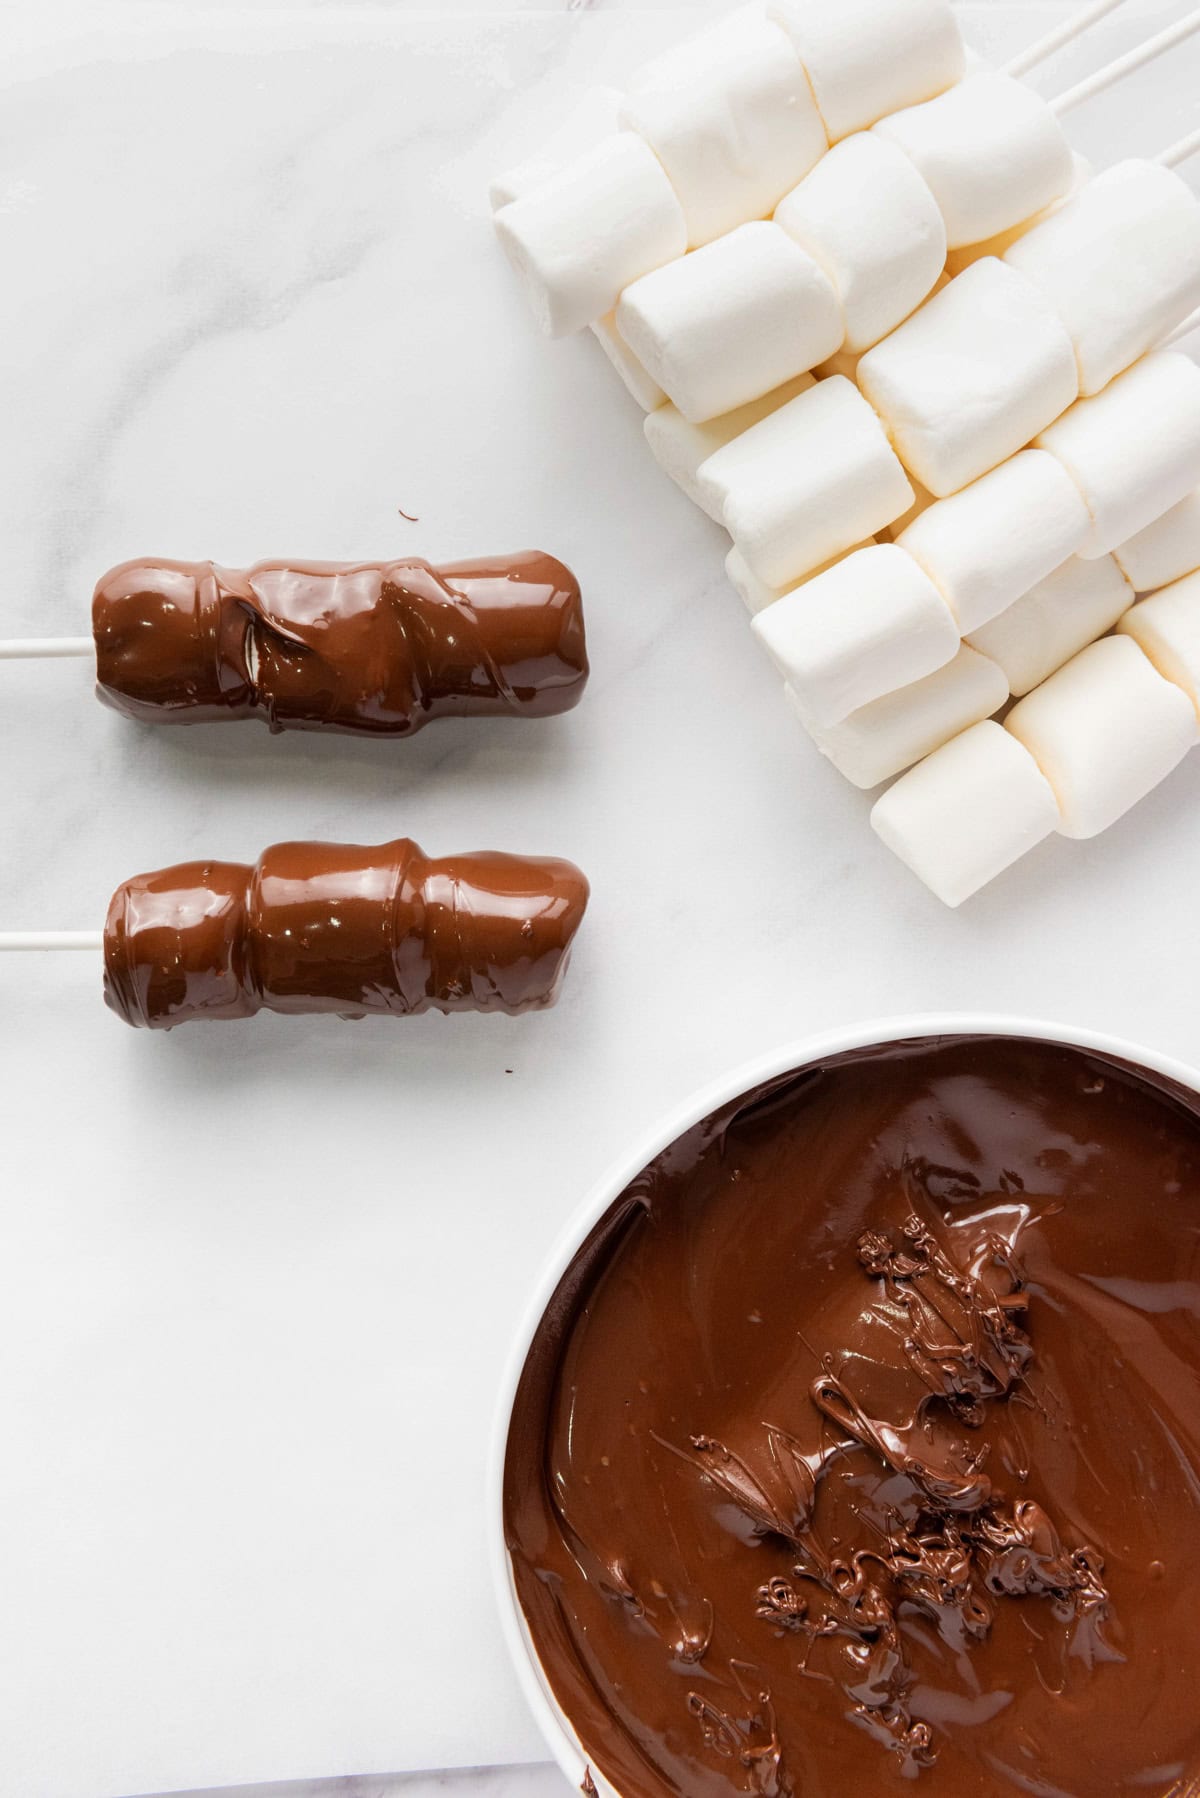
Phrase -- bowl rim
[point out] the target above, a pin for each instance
(791, 1054)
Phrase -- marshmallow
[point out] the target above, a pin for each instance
(728, 323)
(991, 152)
(731, 117)
(598, 224)
(1166, 628)
(1104, 731)
(871, 222)
(1120, 264)
(986, 546)
(681, 448)
(870, 624)
(972, 377)
(967, 812)
(1134, 450)
(809, 481)
(958, 260)
(1166, 550)
(866, 58)
(646, 391)
(890, 734)
(751, 591)
(592, 118)
(1055, 620)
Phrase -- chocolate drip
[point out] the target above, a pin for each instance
(861, 1444)
(318, 927)
(374, 649)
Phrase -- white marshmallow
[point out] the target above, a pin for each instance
(967, 812)
(892, 733)
(728, 323)
(866, 58)
(753, 594)
(808, 482)
(731, 117)
(645, 390)
(1134, 450)
(871, 222)
(598, 224)
(1055, 620)
(1104, 731)
(870, 624)
(592, 118)
(1166, 628)
(681, 448)
(986, 546)
(1166, 550)
(972, 377)
(1120, 263)
(991, 152)
(966, 254)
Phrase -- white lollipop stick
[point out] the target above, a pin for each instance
(1127, 65)
(17, 649)
(1063, 34)
(51, 939)
(1191, 323)
(1187, 146)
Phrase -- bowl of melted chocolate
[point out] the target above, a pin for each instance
(854, 1442)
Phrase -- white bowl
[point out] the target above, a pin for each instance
(563, 1743)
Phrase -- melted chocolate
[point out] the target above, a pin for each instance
(860, 1445)
(367, 648)
(334, 927)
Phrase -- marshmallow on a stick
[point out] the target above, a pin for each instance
(640, 383)
(1055, 620)
(732, 321)
(1166, 550)
(958, 260)
(752, 592)
(1120, 264)
(1104, 730)
(989, 544)
(871, 623)
(1166, 627)
(866, 58)
(680, 448)
(991, 152)
(1134, 450)
(890, 734)
(731, 116)
(967, 812)
(870, 220)
(809, 481)
(972, 377)
(601, 222)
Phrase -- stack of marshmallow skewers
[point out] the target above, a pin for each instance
(892, 334)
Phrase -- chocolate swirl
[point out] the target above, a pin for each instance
(318, 927)
(858, 1450)
(373, 649)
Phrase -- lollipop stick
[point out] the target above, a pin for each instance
(17, 649)
(1127, 65)
(1187, 146)
(1061, 35)
(51, 939)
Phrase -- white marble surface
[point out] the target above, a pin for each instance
(258, 1282)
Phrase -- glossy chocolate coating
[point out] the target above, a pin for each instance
(335, 927)
(373, 649)
(859, 1449)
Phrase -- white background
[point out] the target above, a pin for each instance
(257, 1282)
